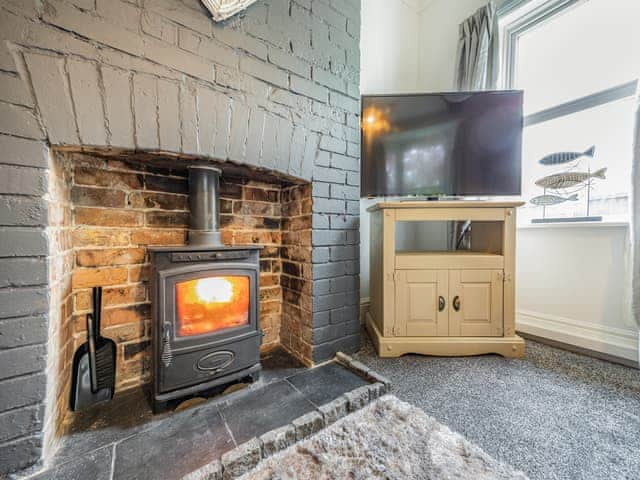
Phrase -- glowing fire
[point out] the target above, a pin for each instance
(207, 305)
(216, 289)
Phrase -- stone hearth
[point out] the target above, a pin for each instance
(274, 90)
(123, 440)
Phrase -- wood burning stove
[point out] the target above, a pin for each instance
(205, 311)
(205, 304)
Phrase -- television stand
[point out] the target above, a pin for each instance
(446, 303)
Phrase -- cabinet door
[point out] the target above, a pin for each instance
(422, 308)
(476, 303)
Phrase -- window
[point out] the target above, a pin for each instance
(578, 63)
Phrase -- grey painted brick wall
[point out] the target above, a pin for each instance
(276, 87)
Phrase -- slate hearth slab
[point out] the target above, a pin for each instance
(177, 446)
(129, 412)
(325, 383)
(278, 364)
(92, 466)
(125, 437)
(126, 415)
(266, 409)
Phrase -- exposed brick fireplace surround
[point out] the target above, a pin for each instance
(103, 105)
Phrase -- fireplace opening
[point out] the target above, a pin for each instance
(111, 209)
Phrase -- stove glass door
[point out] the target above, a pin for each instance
(211, 304)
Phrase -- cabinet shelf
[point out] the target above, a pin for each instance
(448, 259)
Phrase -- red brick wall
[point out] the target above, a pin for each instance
(61, 300)
(117, 208)
(296, 271)
(251, 212)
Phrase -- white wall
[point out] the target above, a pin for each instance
(406, 46)
(389, 56)
(573, 286)
(572, 282)
(438, 40)
(389, 64)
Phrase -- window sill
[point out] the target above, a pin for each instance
(613, 223)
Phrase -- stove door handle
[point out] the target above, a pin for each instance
(167, 354)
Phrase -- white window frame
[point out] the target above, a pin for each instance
(534, 13)
(510, 34)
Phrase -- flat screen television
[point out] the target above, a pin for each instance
(442, 144)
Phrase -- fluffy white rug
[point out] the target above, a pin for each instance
(389, 439)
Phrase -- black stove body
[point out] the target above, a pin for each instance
(205, 303)
(195, 347)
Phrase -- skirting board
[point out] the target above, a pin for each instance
(582, 351)
(610, 341)
(365, 303)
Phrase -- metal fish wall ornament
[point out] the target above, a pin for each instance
(566, 157)
(548, 200)
(558, 181)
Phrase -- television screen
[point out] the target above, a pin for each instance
(442, 144)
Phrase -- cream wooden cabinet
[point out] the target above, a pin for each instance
(449, 303)
(421, 309)
(477, 303)
(444, 302)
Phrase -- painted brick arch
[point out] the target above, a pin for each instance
(274, 87)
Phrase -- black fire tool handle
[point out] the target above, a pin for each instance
(97, 308)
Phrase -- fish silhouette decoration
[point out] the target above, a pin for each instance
(559, 181)
(548, 200)
(566, 157)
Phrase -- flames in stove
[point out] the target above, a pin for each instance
(211, 304)
(214, 290)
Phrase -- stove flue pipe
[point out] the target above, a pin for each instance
(204, 183)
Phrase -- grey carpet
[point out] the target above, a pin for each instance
(389, 440)
(553, 415)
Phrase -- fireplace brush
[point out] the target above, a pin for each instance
(105, 350)
(84, 375)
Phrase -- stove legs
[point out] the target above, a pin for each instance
(158, 407)
(161, 402)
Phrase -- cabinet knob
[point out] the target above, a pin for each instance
(456, 303)
(441, 303)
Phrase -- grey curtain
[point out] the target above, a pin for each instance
(635, 216)
(477, 60)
